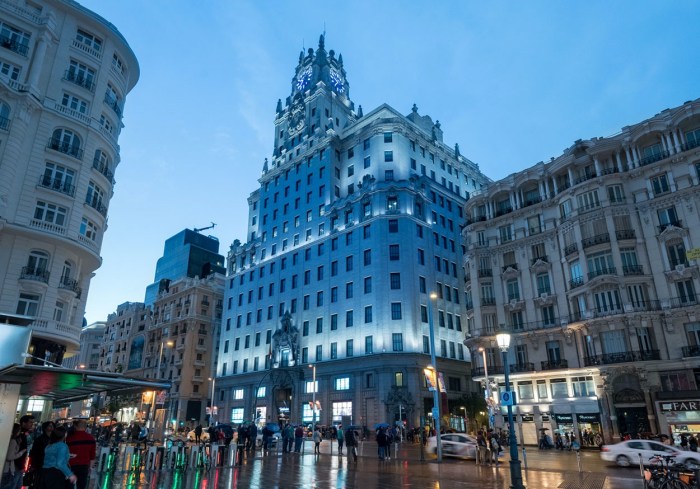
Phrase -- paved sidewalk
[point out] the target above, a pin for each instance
(297, 471)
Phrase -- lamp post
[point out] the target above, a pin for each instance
(436, 387)
(213, 398)
(163, 344)
(313, 408)
(516, 476)
(487, 390)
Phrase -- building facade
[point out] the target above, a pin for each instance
(356, 221)
(187, 254)
(64, 76)
(590, 262)
(92, 338)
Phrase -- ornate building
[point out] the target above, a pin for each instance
(355, 223)
(64, 76)
(590, 261)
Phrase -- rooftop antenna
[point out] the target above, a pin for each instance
(213, 225)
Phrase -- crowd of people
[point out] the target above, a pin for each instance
(48, 457)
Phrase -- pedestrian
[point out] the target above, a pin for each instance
(684, 442)
(482, 448)
(317, 440)
(495, 448)
(26, 426)
(252, 437)
(693, 443)
(36, 455)
(198, 434)
(298, 438)
(351, 441)
(82, 447)
(341, 439)
(381, 444)
(56, 470)
(13, 453)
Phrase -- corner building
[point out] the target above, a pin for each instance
(64, 76)
(357, 219)
(590, 261)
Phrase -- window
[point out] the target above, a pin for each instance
(398, 379)
(311, 386)
(74, 103)
(334, 350)
(393, 225)
(28, 304)
(342, 384)
(583, 386)
(262, 391)
(367, 285)
(319, 325)
(367, 162)
(368, 314)
(50, 213)
(505, 233)
(369, 348)
(388, 175)
(319, 353)
(349, 290)
(349, 348)
(388, 156)
(393, 252)
(397, 341)
(388, 137)
(237, 394)
(89, 41)
(365, 144)
(659, 184)
(349, 321)
(395, 310)
(348, 263)
(559, 388)
(392, 203)
(94, 197)
(367, 257)
(395, 281)
(14, 39)
(67, 142)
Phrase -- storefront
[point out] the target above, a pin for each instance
(677, 417)
(590, 423)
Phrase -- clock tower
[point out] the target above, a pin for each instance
(319, 100)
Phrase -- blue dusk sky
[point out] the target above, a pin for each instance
(512, 82)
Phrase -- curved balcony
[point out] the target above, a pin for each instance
(521, 367)
(97, 205)
(57, 184)
(632, 270)
(79, 79)
(569, 249)
(103, 170)
(648, 160)
(70, 284)
(65, 148)
(13, 45)
(485, 272)
(33, 273)
(492, 369)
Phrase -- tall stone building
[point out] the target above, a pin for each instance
(356, 221)
(64, 76)
(590, 261)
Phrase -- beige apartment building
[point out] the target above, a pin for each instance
(590, 261)
(175, 340)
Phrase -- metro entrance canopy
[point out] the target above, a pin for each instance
(62, 385)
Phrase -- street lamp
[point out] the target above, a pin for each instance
(487, 390)
(436, 387)
(313, 408)
(213, 398)
(516, 477)
(163, 344)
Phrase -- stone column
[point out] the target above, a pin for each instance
(630, 160)
(37, 63)
(596, 163)
(676, 140)
(619, 161)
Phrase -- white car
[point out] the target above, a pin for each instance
(274, 440)
(627, 453)
(454, 445)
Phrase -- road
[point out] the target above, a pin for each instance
(548, 469)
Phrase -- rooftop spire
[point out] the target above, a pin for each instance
(321, 42)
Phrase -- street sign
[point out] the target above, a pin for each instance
(508, 398)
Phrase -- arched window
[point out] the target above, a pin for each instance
(38, 261)
(66, 141)
(67, 271)
(103, 164)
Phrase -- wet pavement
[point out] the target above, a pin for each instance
(329, 470)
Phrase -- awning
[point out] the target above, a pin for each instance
(62, 385)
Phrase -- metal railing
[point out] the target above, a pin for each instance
(63, 147)
(485, 272)
(602, 271)
(103, 169)
(68, 283)
(625, 234)
(691, 351)
(97, 205)
(575, 282)
(648, 160)
(79, 79)
(13, 45)
(554, 364)
(632, 270)
(621, 357)
(569, 249)
(543, 258)
(595, 240)
(676, 223)
(57, 184)
(33, 273)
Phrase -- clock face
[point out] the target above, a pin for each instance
(304, 78)
(337, 81)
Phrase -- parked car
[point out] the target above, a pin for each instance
(627, 453)
(458, 445)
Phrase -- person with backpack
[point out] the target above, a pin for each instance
(341, 439)
(482, 446)
(351, 442)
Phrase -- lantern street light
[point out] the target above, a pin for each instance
(516, 477)
(436, 385)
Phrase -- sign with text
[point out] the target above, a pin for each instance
(688, 405)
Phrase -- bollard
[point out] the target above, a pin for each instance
(154, 459)
(102, 459)
(641, 470)
(215, 454)
(126, 458)
(194, 455)
(578, 460)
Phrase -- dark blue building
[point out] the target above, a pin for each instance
(187, 254)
